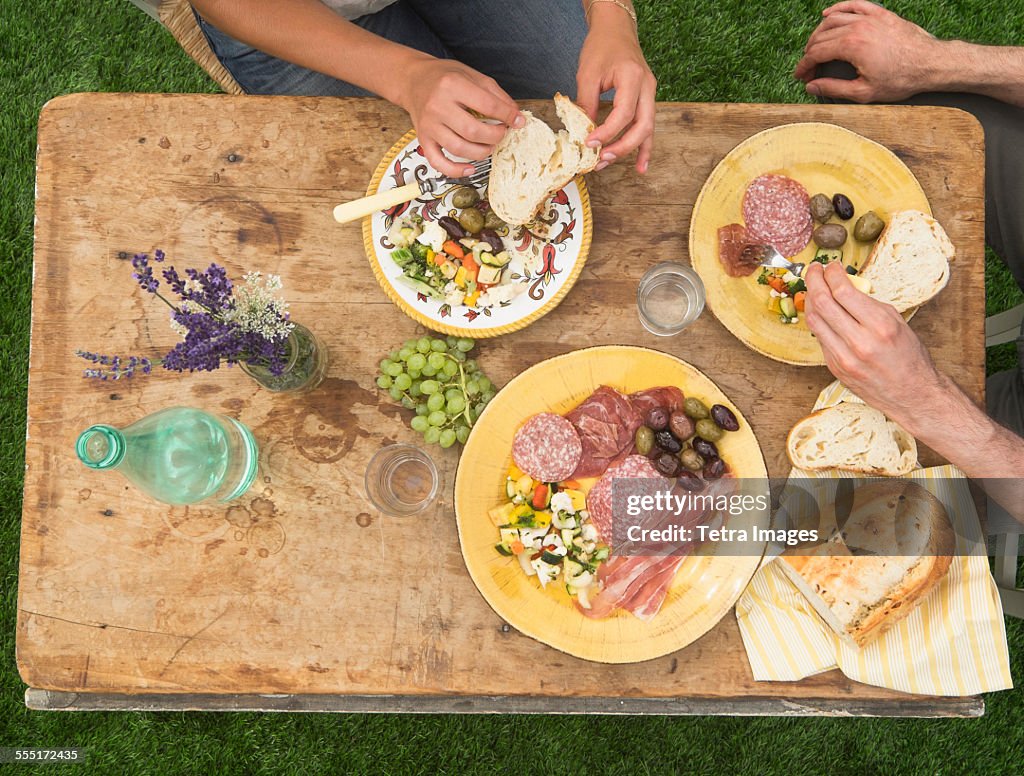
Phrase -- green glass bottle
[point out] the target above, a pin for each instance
(178, 455)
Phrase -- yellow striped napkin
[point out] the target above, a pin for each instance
(954, 643)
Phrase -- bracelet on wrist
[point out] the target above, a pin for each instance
(625, 7)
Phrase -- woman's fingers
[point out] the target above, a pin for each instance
(456, 145)
(640, 134)
(440, 162)
(621, 115)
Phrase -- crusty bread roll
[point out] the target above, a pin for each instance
(909, 263)
(892, 550)
(530, 164)
(853, 437)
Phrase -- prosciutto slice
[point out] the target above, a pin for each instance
(640, 583)
(732, 239)
(669, 397)
(637, 583)
(606, 422)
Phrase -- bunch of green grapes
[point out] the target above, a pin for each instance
(437, 378)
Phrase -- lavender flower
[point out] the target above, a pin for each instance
(116, 368)
(214, 324)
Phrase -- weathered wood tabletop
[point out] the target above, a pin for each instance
(302, 590)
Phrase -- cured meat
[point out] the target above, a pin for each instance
(547, 447)
(776, 211)
(669, 397)
(732, 239)
(638, 584)
(606, 423)
(599, 500)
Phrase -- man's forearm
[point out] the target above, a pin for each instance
(996, 71)
(963, 434)
(308, 33)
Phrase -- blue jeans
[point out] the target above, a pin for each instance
(530, 47)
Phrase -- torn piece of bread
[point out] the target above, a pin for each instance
(894, 548)
(853, 437)
(530, 164)
(910, 261)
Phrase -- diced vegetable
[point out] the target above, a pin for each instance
(541, 496)
(453, 249)
(401, 256)
(798, 300)
(787, 307)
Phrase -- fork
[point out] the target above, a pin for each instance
(769, 256)
(358, 208)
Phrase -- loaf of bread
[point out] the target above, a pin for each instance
(531, 163)
(853, 437)
(892, 550)
(909, 263)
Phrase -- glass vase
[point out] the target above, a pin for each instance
(178, 455)
(304, 369)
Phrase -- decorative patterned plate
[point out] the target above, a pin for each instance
(547, 276)
(824, 158)
(705, 587)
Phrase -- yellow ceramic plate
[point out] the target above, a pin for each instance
(824, 158)
(543, 271)
(705, 588)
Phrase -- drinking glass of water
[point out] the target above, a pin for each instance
(402, 480)
(670, 298)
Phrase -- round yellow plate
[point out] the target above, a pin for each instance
(706, 586)
(546, 278)
(824, 158)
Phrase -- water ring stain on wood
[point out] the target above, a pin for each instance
(364, 520)
(218, 224)
(329, 427)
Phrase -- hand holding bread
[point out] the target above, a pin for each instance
(611, 58)
(442, 97)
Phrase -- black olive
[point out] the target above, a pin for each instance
(843, 206)
(667, 442)
(714, 469)
(667, 464)
(724, 417)
(690, 481)
(657, 418)
(705, 448)
(453, 227)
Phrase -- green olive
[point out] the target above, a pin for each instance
(472, 220)
(691, 459)
(868, 227)
(465, 196)
(644, 440)
(493, 221)
(696, 409)
(708, 429)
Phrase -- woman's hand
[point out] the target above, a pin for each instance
(438, 95)
(894, 58)
(611, 58)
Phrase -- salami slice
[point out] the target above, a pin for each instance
(776, 208)
(599, 500)
(791, 245)
(547, 447)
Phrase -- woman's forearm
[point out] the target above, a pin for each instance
(308, 33)
(995, 71)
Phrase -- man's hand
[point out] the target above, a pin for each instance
(439, 95)
(870, 348)
(611, 58)
(894, 58)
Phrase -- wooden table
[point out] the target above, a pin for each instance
(302, 596)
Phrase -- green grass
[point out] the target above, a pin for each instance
(721, 50)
